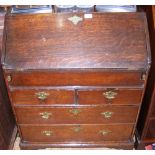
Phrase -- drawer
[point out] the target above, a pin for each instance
(106, 96)
(66, 115)
(42, 96)
(74, 78)
(76, 133)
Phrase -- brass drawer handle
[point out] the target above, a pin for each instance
(104, 132)
(76, 129)
(74, 111)
(42, 95)
(47, 133)
(45, 115)
(107, 114)
(110, 95)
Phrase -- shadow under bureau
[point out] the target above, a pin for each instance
(75, 81)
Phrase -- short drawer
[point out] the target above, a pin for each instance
(78, 133)
(42, 96)
(74, 78)
(110, 96)
(71, 115)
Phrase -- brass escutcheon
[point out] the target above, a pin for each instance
(45, 115)
(110, 95)
(47, 133)
(107, 114)
(104, 132)
(42, 95)
(74, 111)
(75, 19)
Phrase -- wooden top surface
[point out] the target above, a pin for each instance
(51, 41)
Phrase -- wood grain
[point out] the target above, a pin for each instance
(75, 78)
(124, 96)
(64, 115)
(49, 41)
(65, 133)
(55, 96)
(47, 52)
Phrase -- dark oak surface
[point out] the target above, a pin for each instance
(128, 145)
(64, 115)
(75, 78)
(51, 41)
(55, 96)
(124, 96)
(65, 96)
(66, 133)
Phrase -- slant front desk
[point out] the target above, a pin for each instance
(76, 80)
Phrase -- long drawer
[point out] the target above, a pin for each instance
(74, 78)
(76, 133)
(80, 114)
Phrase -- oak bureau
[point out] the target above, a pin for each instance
(76, 80)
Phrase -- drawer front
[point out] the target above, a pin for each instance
(74, 78)
(42, 96)
(66, 115)
(78, 133)
(112, 96)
